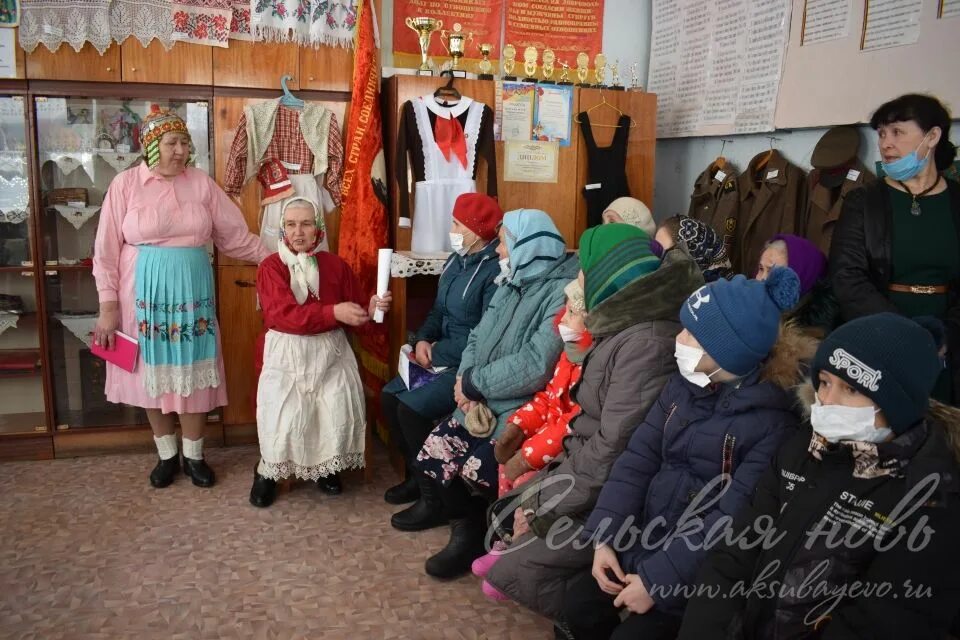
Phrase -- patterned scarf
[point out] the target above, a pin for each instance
(306, 22)
(304, 273)
(159, 122)
(873, 460)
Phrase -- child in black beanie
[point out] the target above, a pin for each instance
(863, 508)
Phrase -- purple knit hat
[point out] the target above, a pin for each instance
(805, 259)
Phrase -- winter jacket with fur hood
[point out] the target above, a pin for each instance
(632, 358)
(691, 436)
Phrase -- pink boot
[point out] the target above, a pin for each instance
(492, 592)
(482, 565)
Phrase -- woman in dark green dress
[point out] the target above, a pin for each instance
(896, 246)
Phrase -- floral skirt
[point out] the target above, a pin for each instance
(176, 320)
(450, 451)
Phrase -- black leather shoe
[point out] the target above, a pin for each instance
(199, 472)
(330, 485)
(426, 513)
(405, 492)
(263, 492)
(164, 473)
(465, 546)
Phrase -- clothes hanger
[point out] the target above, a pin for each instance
(288, 99)
(764, 160)
(603, 103)
(721, 161)
(447, 94)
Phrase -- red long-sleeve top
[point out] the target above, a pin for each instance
(281, 312)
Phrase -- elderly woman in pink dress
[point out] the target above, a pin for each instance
(155, 283)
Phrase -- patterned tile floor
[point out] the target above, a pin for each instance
(88, 550)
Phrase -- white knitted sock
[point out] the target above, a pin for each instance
(193, 449)
(166, 446)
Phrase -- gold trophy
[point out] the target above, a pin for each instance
(485, 66)
(564, 73)
(582, 71)
(424, 27)
(455, 45)
(530, 56)
(615, 81)
(600, 70)
(549, 58)
(509, 61)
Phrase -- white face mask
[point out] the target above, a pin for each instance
(456, 243)
(836, 422)
(504, 269)
(569, 335)
(687, 360)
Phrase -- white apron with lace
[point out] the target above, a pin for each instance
(444, 181)
(310, 406)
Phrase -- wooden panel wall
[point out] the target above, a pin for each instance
(564, 200)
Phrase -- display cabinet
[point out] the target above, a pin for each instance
(21, 372)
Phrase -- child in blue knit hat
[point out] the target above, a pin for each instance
(861, 508)
(714, 427)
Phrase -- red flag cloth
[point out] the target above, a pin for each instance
(363, 214)
(448, 133)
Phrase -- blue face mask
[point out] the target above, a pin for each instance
(908, 166)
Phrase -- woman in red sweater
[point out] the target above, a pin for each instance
(310, 407)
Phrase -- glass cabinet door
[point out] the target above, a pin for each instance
(21, 380)
(83, 143)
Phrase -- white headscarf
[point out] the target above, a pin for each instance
(304, 274)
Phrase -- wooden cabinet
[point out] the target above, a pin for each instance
(326, 68)
(240, 325)
(256, 64)
(67, 64)
(641, 143)
(185, 63)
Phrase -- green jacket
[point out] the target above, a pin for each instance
(512, 353)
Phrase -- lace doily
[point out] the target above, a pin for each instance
(119, 161)
(8, 320)
(53, 22)
(77, 216)
(284, 470)
(14, 199)
(405, 264)
(142, 19)
(12, 162)
(80, 326)
(70, 161)
(181, 380)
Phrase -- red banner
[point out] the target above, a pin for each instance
(567, 27)
(481, 18)
(363, 217)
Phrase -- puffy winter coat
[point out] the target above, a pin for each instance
(691, 436)
(463, 294)
(634, 334)
(511, 354)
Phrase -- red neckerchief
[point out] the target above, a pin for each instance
(448, 133)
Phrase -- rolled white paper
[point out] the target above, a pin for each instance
(383, 278)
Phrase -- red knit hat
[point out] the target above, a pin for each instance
(479, 213)
(274, 182)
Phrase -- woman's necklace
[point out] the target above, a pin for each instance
(915, 206)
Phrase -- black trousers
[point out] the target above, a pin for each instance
(589, 614)
(408, 428)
